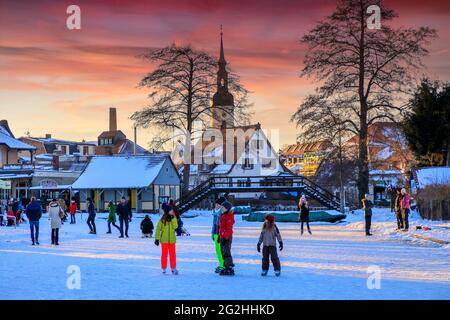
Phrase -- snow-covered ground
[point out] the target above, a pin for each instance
(330, 264)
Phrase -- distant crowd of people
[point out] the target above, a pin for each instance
(170, 226)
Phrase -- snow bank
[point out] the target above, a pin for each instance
(384, 225)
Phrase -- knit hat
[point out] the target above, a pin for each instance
(270, 218)
(227, 205)
(166, 207)
(220, 200)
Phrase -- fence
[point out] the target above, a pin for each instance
(434, 209)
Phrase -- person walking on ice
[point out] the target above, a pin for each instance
(125, 215)
(73, 210)
(165, 234)
(55, 215)
(217, 213)
(367, 206)
(226, 238)
(112, 218)
(268, 238)
(34, 213)
(304, 213)
(91, 218)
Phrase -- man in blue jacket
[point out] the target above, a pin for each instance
(34, 213)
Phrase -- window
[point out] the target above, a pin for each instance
(162, 191)
(173, 193)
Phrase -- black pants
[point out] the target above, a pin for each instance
(399, 215)
(307, 225)
(114, 224)
(55, 236)
(225, 246)
(91, 223)
(72, 218)
(122, 221)
(270, 252)
(368, 223)
(405, 217)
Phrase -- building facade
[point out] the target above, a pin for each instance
(147, 181)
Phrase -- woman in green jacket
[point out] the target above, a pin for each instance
(112, 216)
(165, 234)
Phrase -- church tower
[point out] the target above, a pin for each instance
(223, 100)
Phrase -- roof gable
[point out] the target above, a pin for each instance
(120, 172)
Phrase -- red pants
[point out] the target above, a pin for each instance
(168, 249)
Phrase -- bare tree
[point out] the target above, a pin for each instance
(181, 89)
(363, 73)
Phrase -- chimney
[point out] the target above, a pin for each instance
(48, 136)
(55, 162)
(112, 119)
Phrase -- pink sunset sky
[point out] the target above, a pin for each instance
(60, 81)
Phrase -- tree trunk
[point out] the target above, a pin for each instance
(448, 150)
(341, 182)
(363, 166)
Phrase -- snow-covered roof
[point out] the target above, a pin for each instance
(432, 176)
(120, 172)
(11, 142)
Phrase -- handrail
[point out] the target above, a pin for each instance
(216, 182)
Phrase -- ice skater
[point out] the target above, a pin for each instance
(165, 234)
(91, 218)
(112, 218)
(125, 215)
(226, 238)
(268, 238)
(304, 213)
(147, 227)
(217, 213)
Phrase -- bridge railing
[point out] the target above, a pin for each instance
(265, 182)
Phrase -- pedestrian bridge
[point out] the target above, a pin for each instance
(216, 185)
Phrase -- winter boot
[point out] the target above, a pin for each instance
(32, 243)
(309, 231)
(164, 271)
(175, 272)
(277, 273)
(37, 242)
(227, 272)
(264, 273)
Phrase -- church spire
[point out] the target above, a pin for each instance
(223, 100)
(222, 74)
(222, 54)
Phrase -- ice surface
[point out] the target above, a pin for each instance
(330, 264)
